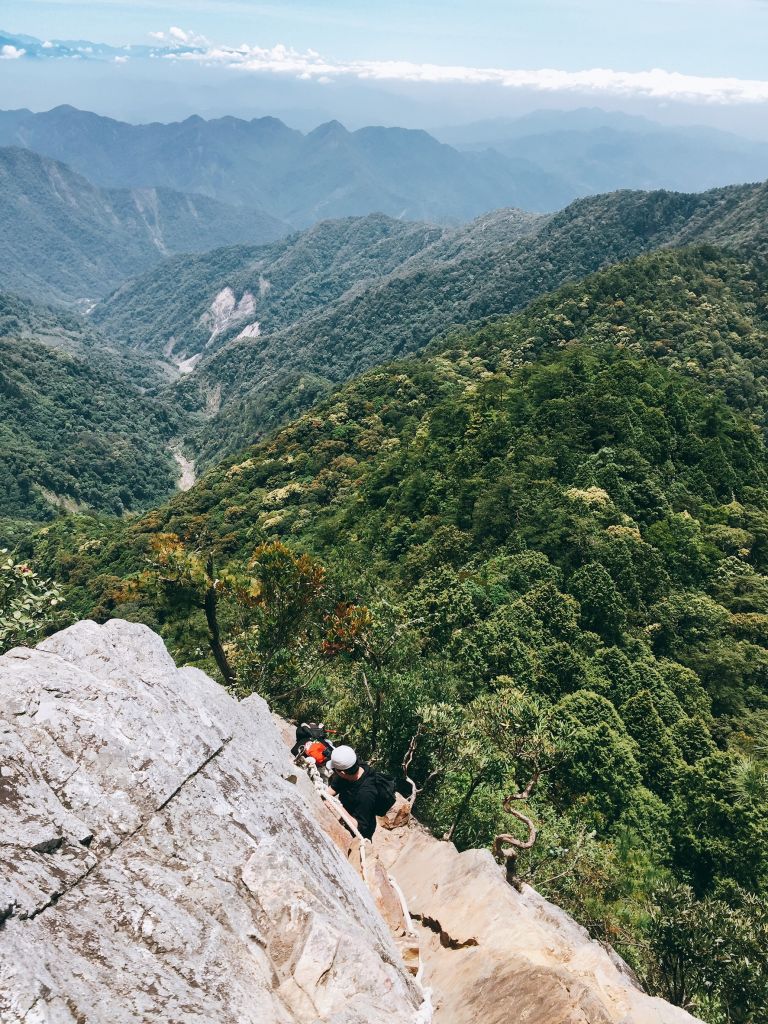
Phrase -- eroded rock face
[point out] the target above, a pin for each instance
(398, 815)
(159, 863)
(499, 956)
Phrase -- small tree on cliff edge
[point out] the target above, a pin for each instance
(267, 625)
(187, 580)
(509, 737)
(28, 604)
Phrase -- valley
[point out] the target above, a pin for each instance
(64, 240)
(483, 486)
(229, 344)
(392, 287)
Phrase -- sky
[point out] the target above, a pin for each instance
(399, 61)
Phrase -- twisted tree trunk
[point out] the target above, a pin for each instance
(506, 845)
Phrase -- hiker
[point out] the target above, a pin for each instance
(312, 742)
(354, 783)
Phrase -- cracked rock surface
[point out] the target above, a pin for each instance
(496, 955)
(156, 861)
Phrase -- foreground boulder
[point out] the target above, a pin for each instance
(159, 862)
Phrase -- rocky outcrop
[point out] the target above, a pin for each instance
(496, 955)
(160, 862)
(225, 311)
(164, 860)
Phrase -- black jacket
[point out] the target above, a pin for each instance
(358, 799)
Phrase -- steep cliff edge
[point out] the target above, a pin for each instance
(499, 956)
(164, 860)
(159, 864)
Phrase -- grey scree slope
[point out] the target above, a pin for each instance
(155, 862)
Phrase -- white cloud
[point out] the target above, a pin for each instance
(181, 37)
(655, 83)
(121, 60)
(177, 43)
(47, 45)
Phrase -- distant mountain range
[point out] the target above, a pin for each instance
(597, 151)
(327, 173)
(65, 240)
(537, 163)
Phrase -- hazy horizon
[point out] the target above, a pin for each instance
(671, 61)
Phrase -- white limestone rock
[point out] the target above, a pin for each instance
(157, 863)
(225, 311)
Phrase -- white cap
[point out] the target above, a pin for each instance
(343, 757)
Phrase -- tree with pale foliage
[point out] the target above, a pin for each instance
(708, 955)
(508, 739)
(269, 625)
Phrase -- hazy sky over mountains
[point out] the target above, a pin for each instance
(427, 62)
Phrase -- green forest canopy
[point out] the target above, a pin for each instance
(571, 505)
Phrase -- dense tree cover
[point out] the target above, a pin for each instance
(696, 311)
(63, 240)
(710, 951)
(559, 524)
(454, 281)
(76, 431)
(346, 295)
(61, 329)
(287, 280)
(78, 423)
(20, 318)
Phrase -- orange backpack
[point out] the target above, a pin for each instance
(319, 751)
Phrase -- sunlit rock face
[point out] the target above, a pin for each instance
(164, 860)
(159, 862)
(500, 956)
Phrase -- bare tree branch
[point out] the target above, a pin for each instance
(524, 793)
(407, 761)
(367, 689)
(510, 840)
(506, 845)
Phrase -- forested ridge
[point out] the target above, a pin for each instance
(329, 303)
(77, 428)
(541, 550)
(288, 279)
(348, 295)
(63, 239)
